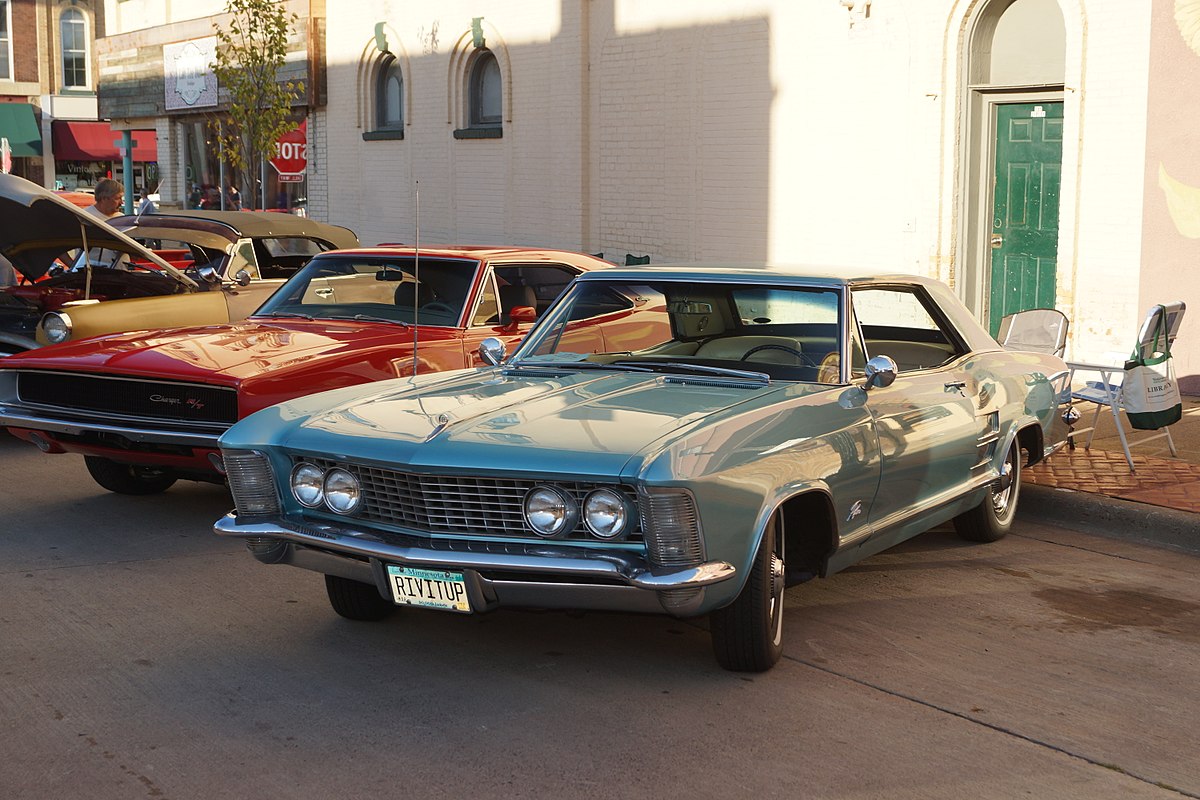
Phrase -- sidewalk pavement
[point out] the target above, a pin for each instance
(1159, 502)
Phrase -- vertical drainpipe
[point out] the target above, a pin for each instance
(586, 229)
(127, 165)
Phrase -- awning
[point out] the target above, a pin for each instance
(19, 125)
(96, 141)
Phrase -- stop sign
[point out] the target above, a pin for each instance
(291, 153)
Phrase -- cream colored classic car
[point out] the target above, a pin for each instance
(142, 272)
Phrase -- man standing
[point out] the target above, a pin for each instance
(110, 198)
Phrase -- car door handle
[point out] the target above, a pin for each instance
(956, 386)
(323, 293)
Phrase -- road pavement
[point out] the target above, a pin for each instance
(142, 656)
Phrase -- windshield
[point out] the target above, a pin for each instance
(783, 332)
(388, 288)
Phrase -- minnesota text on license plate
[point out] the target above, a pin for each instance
(431, 588)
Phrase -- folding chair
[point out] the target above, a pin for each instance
(1040, 330)
(1106, 392)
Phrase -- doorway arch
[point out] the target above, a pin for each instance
(1015, 75)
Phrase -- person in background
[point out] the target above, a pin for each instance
(147, 206)
(110, 198)
(233, 198)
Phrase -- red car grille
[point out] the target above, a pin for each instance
(147, 399)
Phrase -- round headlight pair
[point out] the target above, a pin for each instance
(337, 489)
(551, 512)
(56, 326)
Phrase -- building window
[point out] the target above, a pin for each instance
(389, 96)
(73, 28)
(5, 40)
(485, 96)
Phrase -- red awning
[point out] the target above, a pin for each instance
(96, 141)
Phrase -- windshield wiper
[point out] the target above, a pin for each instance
(369, 318)
(704, 369)
(285, 314)
(577, 365)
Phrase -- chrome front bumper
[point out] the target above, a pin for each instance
(20, 417)
(500, 574)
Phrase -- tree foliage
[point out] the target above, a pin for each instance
(251, 49)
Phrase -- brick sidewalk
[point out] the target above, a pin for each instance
(1159, 479)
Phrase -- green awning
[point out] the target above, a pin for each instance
(19, 125)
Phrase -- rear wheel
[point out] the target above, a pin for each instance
(993, 518)
(747, 634)
(356, 600)
(128, 478)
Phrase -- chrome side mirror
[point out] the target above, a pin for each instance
(881, 372)
(208, 274)
(492, 351)
(242, 278)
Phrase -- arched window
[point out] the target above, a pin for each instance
(389, 96)
(485, 95)
(73, 29)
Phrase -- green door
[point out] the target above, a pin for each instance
(1024, 236)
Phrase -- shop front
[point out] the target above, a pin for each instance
(85, 152)
(20, 140)
(213, 183)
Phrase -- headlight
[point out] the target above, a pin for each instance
(57, 327)
(550, 511)
(606, 513)
(342, 492)
(307, 480)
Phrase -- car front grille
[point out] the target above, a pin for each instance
(133, 397)
(460, 505)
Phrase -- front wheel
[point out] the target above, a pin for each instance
(747, 634)
(993, 518)
(128, 478)
(356, 600)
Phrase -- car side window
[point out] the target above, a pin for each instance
(536, 285)
(487, 310)
(898, 322)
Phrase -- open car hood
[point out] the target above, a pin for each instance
(37, 226)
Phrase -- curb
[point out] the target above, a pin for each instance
(1112, 517)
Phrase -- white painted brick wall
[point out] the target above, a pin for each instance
(766, 130)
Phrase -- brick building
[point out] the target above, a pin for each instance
(1028, 152)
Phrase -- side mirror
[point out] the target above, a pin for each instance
(242, 278)
(492, 351)
(208, 274)
(522, 314)
(881, 372)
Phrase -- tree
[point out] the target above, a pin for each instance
(251, 47)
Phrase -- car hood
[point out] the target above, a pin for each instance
(37, 226)
(233, 352)
(580, 423)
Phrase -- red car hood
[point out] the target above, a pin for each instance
(231, 352)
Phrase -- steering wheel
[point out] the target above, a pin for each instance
(782, 347)
(438, 305)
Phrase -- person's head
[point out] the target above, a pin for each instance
(110, 196)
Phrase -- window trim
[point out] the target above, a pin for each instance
(7, 43)
(62, 51)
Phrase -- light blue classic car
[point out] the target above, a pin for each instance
(748, 430)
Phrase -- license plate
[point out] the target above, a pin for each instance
(429, 588)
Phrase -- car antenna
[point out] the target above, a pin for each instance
(416, 270)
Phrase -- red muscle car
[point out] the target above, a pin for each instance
(146, 408)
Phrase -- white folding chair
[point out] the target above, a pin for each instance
(1040, 330)
(1106, 392)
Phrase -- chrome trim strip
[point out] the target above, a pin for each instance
(943, 498)
(536, 557)
(10, 417)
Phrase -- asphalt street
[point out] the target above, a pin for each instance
(142, 656)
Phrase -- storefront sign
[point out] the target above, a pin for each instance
(189, 78)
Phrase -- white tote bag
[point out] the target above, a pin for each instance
(1149, 392)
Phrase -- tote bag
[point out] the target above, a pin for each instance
(1149, 392)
